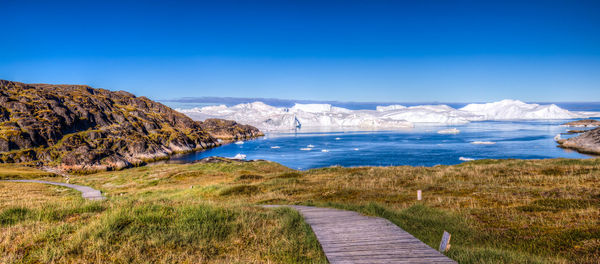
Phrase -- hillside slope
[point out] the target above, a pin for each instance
(79, 128)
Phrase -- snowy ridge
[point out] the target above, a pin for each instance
(268, 118)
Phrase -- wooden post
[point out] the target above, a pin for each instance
(445, 244)
(419, 197)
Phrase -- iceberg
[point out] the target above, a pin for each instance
(483, 143)
(239, 157)
(517, 110)
(449, 131)
(326, 116)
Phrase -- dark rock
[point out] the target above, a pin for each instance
(76, 127)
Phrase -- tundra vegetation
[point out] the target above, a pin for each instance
(498, 211)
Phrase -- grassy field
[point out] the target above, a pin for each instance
(509, 211)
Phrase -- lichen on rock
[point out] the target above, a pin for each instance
(79, 128)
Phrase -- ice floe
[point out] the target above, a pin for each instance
(239, 157)
(326, 116)
(557, 137)
(483, 143)
(449, 131)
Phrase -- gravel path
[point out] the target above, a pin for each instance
(86, 192)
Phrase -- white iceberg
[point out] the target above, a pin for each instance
(389, 107)
(326, 116)
(517, 110)
(483, 143)
(557, 137)
(239, 157)
(449, 131)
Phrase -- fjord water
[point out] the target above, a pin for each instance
(419, 146)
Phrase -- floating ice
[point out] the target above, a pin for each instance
(269, 118)
(465, 159)
(557, 137)
(275, 147)
(239, 157)
(517, 110)
(483, 143)
(449, 131)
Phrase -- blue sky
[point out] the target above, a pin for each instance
(449, 51)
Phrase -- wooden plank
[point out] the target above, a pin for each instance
(445, 244)
(349, 237)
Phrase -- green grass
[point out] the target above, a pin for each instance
(498, 211)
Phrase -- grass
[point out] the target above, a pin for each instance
(11, 171)
(498, 211)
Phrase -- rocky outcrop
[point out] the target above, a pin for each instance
(229, 130)
(588, 142)
(79, 128)
(583, 123)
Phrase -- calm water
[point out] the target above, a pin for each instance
(420, 146)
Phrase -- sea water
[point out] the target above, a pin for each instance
(418, 146)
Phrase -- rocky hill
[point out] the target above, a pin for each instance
(587, 142)
(79, 128)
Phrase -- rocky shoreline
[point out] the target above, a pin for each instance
(77, 128)
(587, 142)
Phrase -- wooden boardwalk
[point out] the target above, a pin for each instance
(349, 237)
(86, 192)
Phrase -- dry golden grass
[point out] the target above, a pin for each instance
(509, 211)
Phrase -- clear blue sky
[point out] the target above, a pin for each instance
(451, 51)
